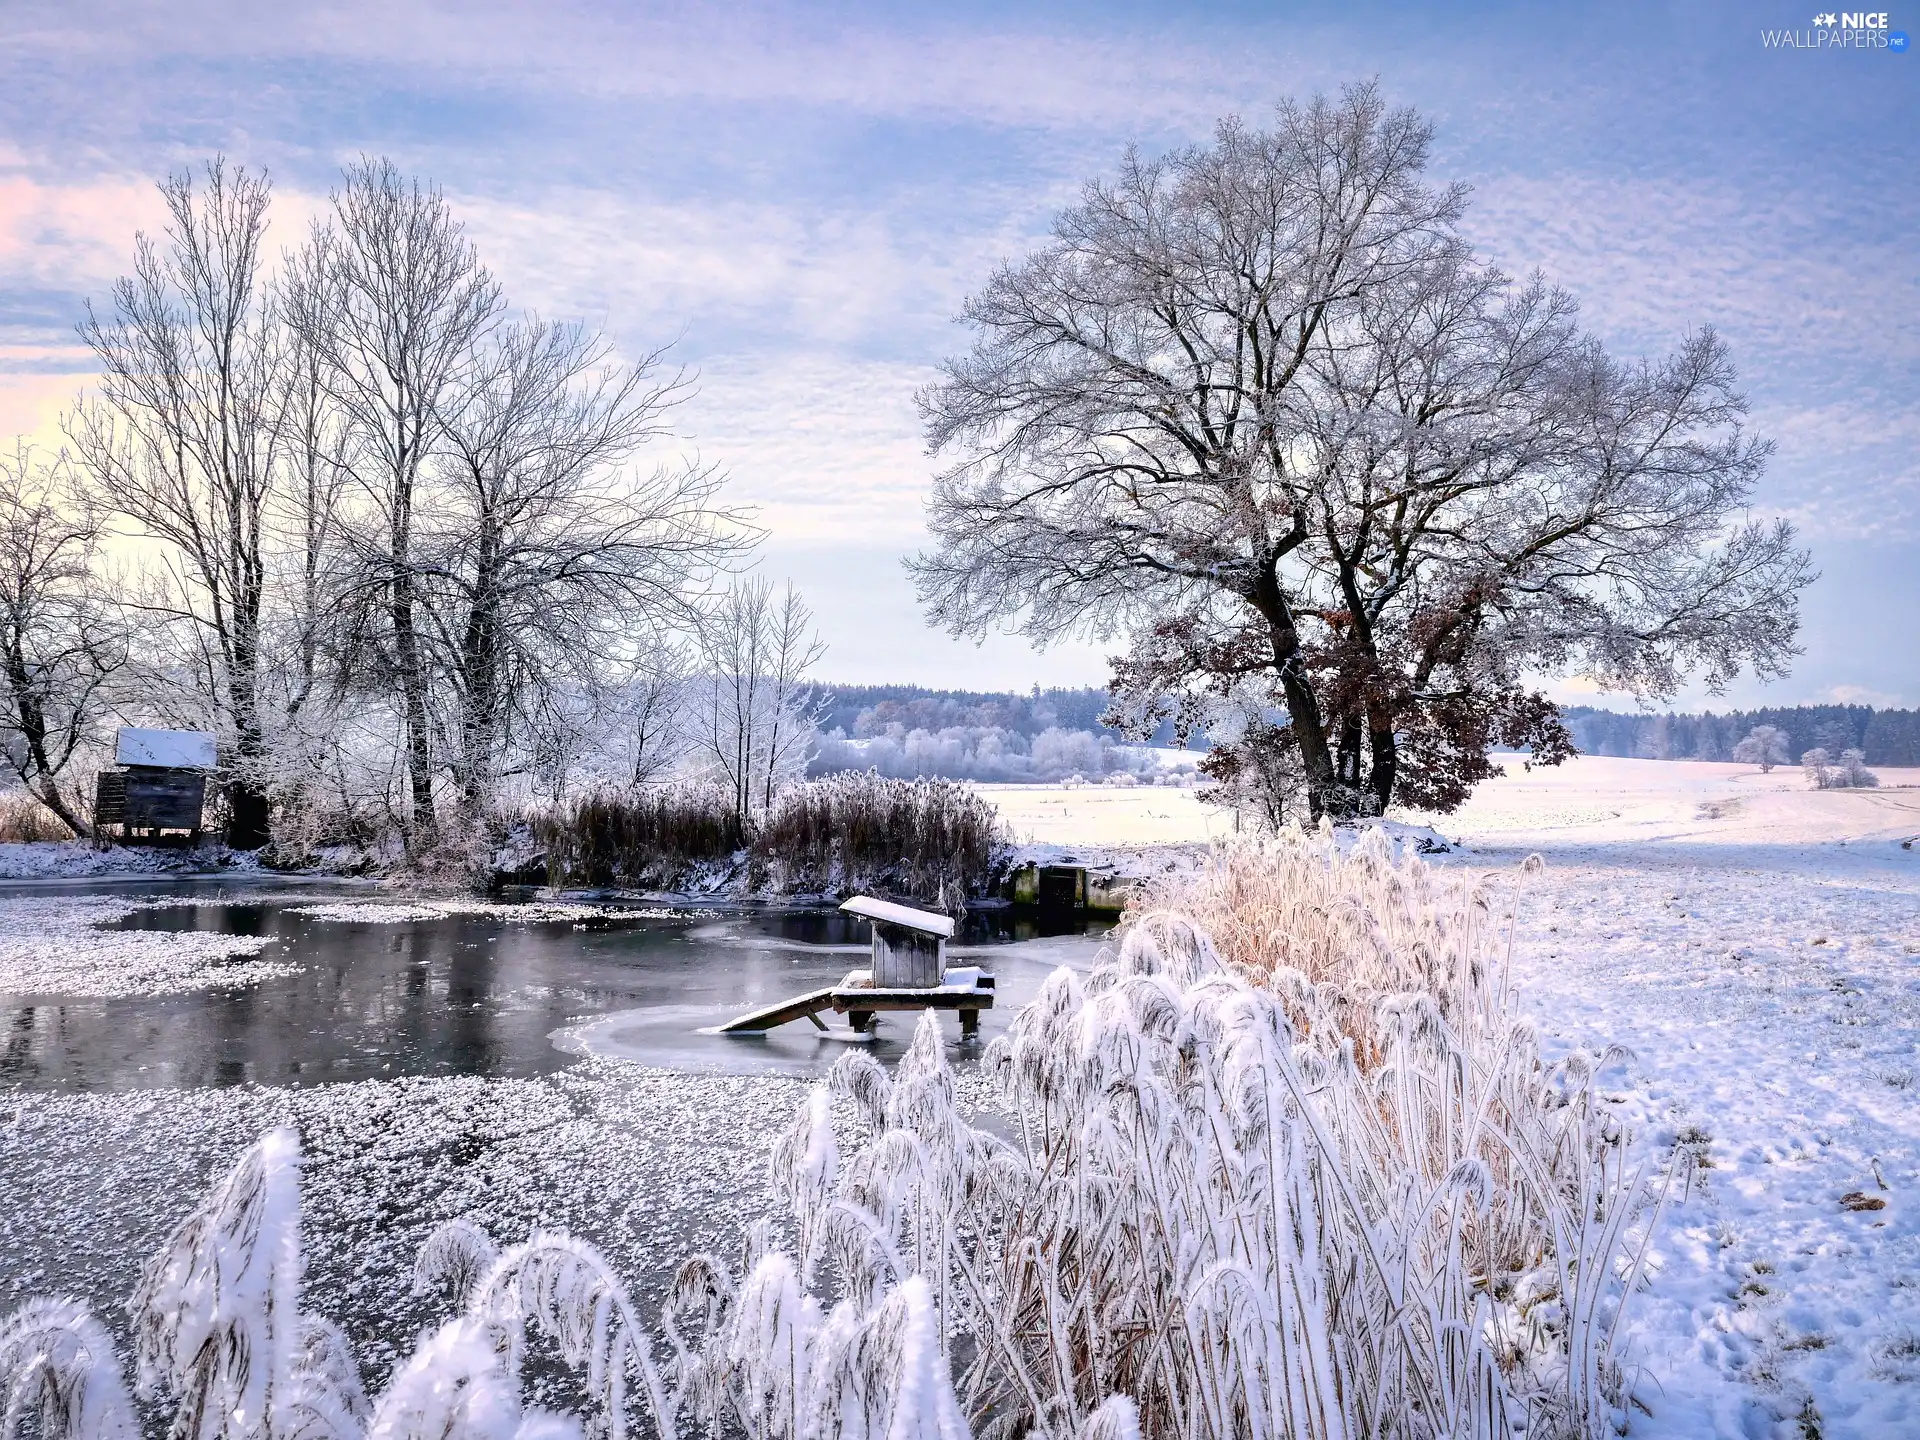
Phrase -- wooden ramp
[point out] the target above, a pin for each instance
(968, 990)
(800, 1007)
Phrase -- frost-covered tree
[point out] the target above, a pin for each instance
(1854, 772)
(542, 556)
(62, 639)
(751, 710)
(1259, 408)
(1846, 771)
(398, 307)
(184, 441)
(1765, 746)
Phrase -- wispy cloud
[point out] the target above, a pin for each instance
(802, 198)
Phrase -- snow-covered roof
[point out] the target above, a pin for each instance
(891, 914)
(176, 749)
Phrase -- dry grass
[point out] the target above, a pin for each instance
(929, 840)
(639, 837)
(24, 820)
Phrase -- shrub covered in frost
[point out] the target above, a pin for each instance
(1849, 772)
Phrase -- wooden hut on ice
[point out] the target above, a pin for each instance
(909, 972)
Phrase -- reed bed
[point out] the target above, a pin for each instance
(24, 820)
(928, 839)
(637, 836)
(1212, 1220)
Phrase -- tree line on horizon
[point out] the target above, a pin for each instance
(1883, 736)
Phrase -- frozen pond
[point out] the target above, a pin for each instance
(497, 1064)
(371, 988)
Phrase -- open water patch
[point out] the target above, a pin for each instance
(231, 987)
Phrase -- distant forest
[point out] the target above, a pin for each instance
(870, 709)
(1888, 737)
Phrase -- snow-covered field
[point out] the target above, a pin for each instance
(1084, 814)
(1757, 945)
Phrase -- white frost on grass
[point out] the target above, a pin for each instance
(649, 1164)
(54, 947)
(375, 912)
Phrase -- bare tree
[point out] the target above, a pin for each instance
(61, 641)
(402, 305)
(755, 712)
(1258, 407)
(544, 557)
(183, 441)
(654, 726)
(793, 649)
(1765, 746)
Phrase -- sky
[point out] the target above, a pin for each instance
(800, 198)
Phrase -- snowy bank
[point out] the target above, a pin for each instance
(77, 859)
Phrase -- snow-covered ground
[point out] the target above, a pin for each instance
(55, 947)
(1756, 944)
(1085, 814)
(76, 859)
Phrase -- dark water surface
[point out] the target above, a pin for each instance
(480, 995)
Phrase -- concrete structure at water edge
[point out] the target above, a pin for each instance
(909, 972)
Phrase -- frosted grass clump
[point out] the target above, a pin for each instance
(222, 1339)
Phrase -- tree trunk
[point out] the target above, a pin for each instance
(249, 812)
(406, 651)
(481, 704)
(1325, 794)
(1386, 758)
(35, 769)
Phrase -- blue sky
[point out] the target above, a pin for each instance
(802, 197)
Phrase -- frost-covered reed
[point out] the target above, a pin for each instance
(1313, 1180)
(860, 831)
(1322, 1184)
(638, 836)
(916, 838)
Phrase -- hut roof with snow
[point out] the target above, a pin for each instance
(167, 749)
(928, 922)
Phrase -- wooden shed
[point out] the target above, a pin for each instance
(160, 786)
(909, 945)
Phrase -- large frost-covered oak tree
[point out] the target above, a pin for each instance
(1343, 485)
